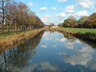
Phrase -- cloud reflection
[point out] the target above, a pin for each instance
(69, 45)
(62, 53)
(43, 45)
(47, 66)
(83, 56)
(53, 45)
(61, 39)
(43, 66)
(54, 36)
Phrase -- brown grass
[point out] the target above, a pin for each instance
(15, 38)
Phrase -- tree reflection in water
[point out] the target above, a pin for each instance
(83, 41)
(15, 58)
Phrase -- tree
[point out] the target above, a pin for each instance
(53, 24)
(2, 9)
(70, 22)
(92, 21)
(9, 15)
(82, 21)
(18, 16)
(60, 25)
(66, 23)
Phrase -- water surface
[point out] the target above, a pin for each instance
(50, 52)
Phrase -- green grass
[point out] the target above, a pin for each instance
(11, 34)
(81, 30)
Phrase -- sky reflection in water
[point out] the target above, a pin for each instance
(49, 52)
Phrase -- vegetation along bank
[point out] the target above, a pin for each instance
(88, 34)
(9, 39)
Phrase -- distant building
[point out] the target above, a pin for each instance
(55, 26)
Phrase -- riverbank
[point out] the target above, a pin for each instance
(87, 34)
(12, 38)
(81, 30)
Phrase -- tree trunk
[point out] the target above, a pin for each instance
(16, 28)
(3, 15)
(8, 27)
(22, 27)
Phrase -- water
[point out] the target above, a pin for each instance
(50, 52)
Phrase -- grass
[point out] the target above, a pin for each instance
(14, 37)
(81, 30)
(11, 34)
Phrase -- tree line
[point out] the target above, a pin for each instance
(83, 22)
(17, 16)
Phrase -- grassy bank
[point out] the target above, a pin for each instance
(11, 38)
(81, 30)
(88, 34)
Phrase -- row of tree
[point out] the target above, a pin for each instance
(17, 15)
(83, 22)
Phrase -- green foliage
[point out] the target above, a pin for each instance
(20, 17)
(92, 21)
(70, 22)
(82, 21)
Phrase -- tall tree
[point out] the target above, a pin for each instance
(92, 20)
(2, 9)
(70, 22)
(82, 21)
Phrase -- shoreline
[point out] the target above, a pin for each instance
(4, 43)
(87, 36)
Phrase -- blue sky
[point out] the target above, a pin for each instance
(56, 11)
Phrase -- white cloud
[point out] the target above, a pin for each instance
(70, 9)
(82, 13)
(44, 19)
(43, 45)
(47, 66)
(61, 39)
(30, 4)
(86, 4)
(78, 59)
(62, 0)
(47, 36)
(29, 68)
(78, 41)
(42, 66)
(69, 45)
(61, 15)
(47, 16)
(85, 49)
(43, 9)
(82, 56)
(53, 9)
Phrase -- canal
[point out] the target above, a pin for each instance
(50, 52)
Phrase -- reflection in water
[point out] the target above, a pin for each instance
(49, 52)
(43, 45)
(17, 57)
(84, 41)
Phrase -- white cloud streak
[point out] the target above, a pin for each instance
(43, 9)
(30, 4)
(70, 9)
(62, 0)
(53, 9)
